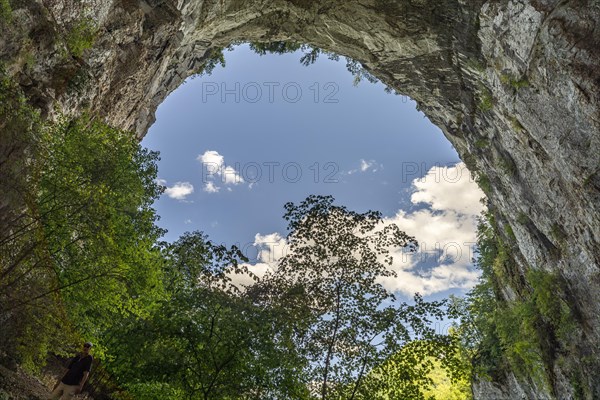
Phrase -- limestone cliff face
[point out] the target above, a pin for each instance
(513, 84)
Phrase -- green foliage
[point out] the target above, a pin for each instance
(508, 165)
(475, 65)
(548, 296)
(510, 233)
(522, 336)
(275, 47)
(516, 327)
(5, 11)
(484, 183)
(515, 83)
(500, 335)
(420, 370)
(26, 333)
(80, 81)
(522, 218)
(486, 100)
(446, 386)
(80, 248)
(527, 329)
(96, 193)
(207, 339)
(482, 143)
(516, 124)
(558, 234)
(154, 391)
(81, 37)
(81, 258)
(477, 311)
(320, 317)
(359, 72)
(214, 57)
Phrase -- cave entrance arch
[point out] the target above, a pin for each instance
(504, 81)
(513, 84)
(427, 52)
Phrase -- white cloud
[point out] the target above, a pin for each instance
(449, 188)
(445, 229)
(230, 176)
(366, 165)
(258, 269)
(179, 191)
(271, 247)
(210, 187)
(213, 167)
(211, 157)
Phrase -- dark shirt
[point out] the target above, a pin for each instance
(77, 367)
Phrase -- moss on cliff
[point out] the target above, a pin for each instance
(524, 335)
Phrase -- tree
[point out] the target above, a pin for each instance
(330, 279)
(85, 239)
(97, 187)
(422, 369)
(207, 339)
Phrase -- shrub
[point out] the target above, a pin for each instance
(486, 101)
(516, 124)
(522, 218)
(515, 83)
(508, 165)
(524, 335)
(81, 37)
(5, 11)
(484, 183)
(482, 143)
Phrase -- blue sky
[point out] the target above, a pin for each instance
(240, 143)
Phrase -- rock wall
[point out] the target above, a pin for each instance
(513, 84)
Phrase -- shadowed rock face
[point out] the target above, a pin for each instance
(514, 85)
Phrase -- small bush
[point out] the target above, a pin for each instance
(484, 183)
(516, 124)
(475, 65)
(509, 232)
(508, 165)
(547, 290)
(523, 335)
(81, 37)
(516, 327)
(482, 143)
(486, 101)
(515, 83)
(558, 233)
(215, 57)
(5, 11)
(522, 218)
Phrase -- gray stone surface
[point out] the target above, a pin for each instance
(513, 84)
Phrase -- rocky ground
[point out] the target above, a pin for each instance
(16, 384)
